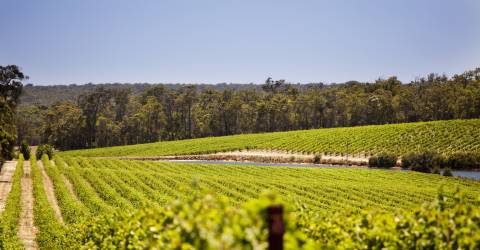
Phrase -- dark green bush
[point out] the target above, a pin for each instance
(464, 160)
(44, 149)
(317, 158)
(422, 162)
(447, 172)
(25, 150)
(382, 160)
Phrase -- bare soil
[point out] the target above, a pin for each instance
(6, 176)
(50, 191)
(267, 156)
(27, 230)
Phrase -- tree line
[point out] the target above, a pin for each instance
(114, 116)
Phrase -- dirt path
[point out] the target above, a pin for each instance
(49, 190)
(27, 230)
(6, 182)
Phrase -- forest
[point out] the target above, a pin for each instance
(123, 114)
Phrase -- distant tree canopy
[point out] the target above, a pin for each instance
(108, 116)
(10, 89)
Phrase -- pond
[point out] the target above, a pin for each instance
(460, 173)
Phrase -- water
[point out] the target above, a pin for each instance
(468, 174)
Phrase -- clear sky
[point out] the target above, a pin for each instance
(241, 41)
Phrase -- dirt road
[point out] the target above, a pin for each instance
(6, 182)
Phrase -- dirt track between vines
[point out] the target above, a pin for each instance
(50, 191)
(27, 230)
(6, 176)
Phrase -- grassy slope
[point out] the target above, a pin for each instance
(444, 136)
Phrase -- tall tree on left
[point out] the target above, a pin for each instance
(11, 78)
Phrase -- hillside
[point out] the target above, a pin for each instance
(442, 136)
(47, 95)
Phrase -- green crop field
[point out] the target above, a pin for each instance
(88, 189)
(131, 184)
(442, 136)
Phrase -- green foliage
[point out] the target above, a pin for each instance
(173, 213)
(394, 138)
(7, 142)
(51, 234)
(422, 162)
(11, 215)
(447, 172)
(199, 222)
(104, 185)
(44, 149)
(443, 224)
(70, 207)
(25, 150)
(382, 160)
(464, 160)
(110, 116)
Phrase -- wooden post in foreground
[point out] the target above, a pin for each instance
(276, 227)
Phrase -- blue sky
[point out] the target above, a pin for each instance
(241, 41)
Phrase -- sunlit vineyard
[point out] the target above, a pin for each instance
(442, 136)
(102, 185)
(105, 203)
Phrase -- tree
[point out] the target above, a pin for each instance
(10, 89)
(64, 126)
(93, 104)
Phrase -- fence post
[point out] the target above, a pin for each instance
(276, 227)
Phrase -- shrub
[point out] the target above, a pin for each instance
(44, 149)
(25, 150)
(422, 162)
(436, 170)
(317, 158)
(447, 172)
(382, 160)
(464, 160)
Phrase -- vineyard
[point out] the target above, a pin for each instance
(94, 203)
(443, 136)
